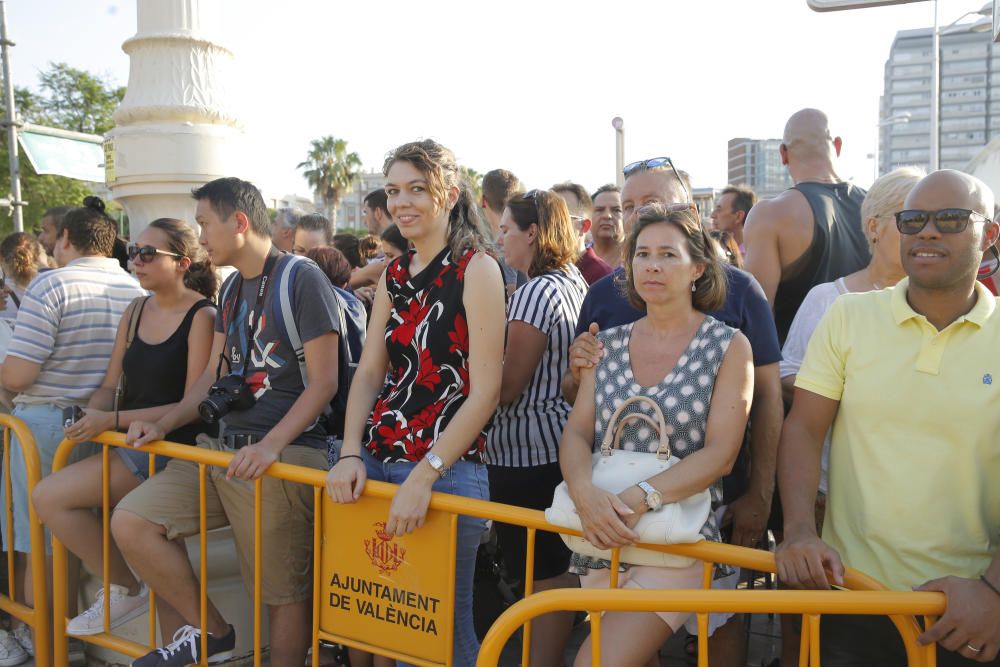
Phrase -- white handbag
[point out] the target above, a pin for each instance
(615, 470)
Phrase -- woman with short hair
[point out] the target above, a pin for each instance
(699, 372)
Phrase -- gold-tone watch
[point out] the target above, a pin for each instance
(654, 499)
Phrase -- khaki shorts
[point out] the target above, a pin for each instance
(170, 499)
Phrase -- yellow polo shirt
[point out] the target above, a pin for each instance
(915, 453)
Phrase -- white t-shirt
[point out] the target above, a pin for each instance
(814, 306)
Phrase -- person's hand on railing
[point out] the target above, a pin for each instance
(971, 622)
(346, 479)
(409, 506)
(251, 461)
(603, 515)
(93, 423)
(141, 433)
(748, 516)
(805, 561)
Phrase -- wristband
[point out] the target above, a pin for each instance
(989, 584)
(350, 456)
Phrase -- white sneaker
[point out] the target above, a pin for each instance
(124, 608)
(22, 633)
(11, 651)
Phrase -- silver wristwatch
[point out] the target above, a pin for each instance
(436, 462)
(654, 499)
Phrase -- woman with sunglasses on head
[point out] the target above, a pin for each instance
(699, 372)
(161, 347)
(438, 323)
(538, 238)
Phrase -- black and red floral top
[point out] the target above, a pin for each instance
(427, 339)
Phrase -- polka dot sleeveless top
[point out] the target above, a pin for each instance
(684, 396)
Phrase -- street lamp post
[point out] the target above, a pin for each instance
(935, 147)
(895, 119)
(619, 126)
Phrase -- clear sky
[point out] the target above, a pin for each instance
(529, 85)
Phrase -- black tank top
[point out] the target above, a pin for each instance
(838, 247)
(156, 374)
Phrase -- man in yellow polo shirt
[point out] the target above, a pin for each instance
(905, 377)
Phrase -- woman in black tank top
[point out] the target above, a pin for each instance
(161, 347)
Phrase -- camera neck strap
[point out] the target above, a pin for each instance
(265, 281)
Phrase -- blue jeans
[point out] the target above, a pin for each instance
(45, 423)
(462, 479)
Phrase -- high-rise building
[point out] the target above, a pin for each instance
(969, 98)
(349, 211)
(757, 164)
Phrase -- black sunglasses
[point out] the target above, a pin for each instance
(147, 253)
(947, 220)
(655, 163)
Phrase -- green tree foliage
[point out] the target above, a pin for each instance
(331, 171)
(474, 180)
(70, 99)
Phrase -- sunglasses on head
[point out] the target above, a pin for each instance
(147, 253)
(652, 164)
(947, 220)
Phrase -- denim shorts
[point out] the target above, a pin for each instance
(470, 480)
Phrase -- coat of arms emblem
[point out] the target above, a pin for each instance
(386, 556)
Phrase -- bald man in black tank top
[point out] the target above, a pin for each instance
(810, 233)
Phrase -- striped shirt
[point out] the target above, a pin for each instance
(67, 324)
(527, 432)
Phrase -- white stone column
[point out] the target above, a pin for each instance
(176, 128)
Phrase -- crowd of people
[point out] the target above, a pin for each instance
(836, 390)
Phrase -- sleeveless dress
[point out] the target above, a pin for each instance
(427, 340)
(156, 375)
(684, 395)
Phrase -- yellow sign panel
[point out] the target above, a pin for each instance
(392, 592)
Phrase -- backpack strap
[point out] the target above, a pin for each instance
(285, 285)
(224, 300)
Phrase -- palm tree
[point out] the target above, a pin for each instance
(331, 171)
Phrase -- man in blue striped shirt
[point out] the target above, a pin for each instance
(62, 342)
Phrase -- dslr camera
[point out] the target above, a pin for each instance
(229, 393)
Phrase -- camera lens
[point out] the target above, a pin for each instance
(209, 412)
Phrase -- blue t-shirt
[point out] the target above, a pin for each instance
(746, 309)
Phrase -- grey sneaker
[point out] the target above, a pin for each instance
(22, 633)
(11, 651)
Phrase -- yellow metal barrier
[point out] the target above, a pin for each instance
(36, 618)
(809, 603)
(867, 596)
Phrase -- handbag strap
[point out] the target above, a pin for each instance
(134, 315)
(612, 434)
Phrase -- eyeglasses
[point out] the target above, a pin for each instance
(147, 253)
(947, 220)
(531, 194)
(652, 164)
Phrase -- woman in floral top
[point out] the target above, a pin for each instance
(438, 322)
